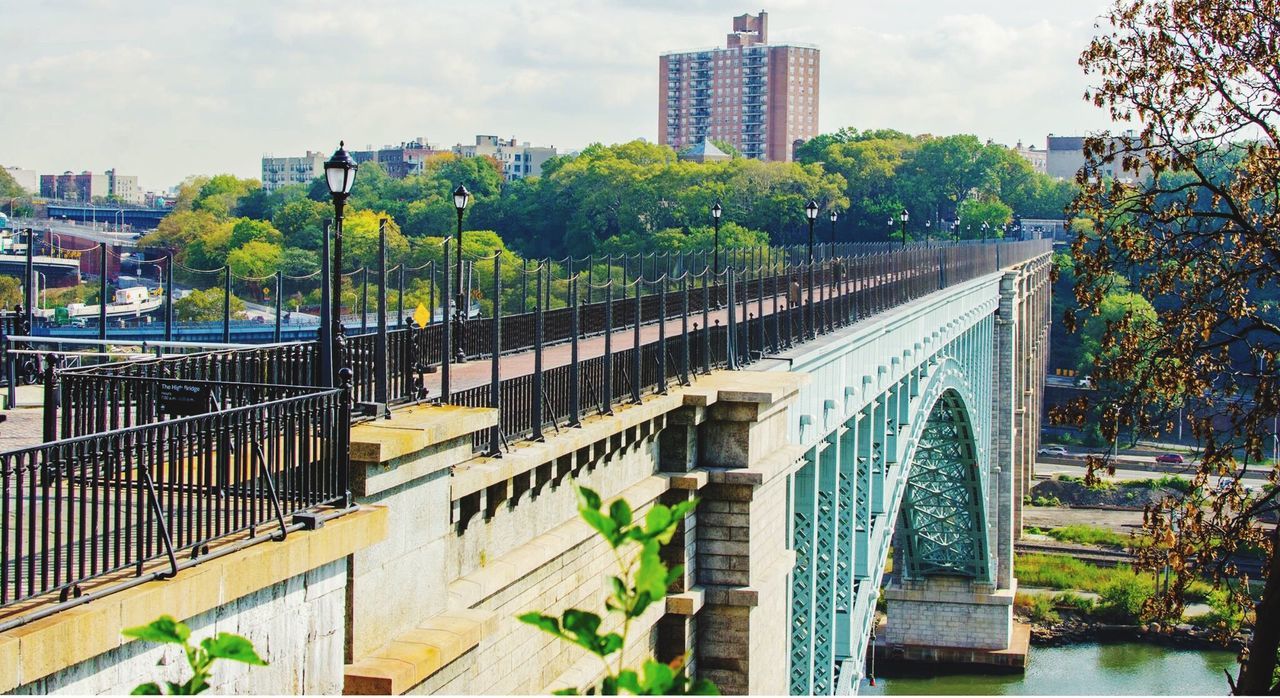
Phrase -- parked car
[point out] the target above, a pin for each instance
(1059, 451)
(1170, 458)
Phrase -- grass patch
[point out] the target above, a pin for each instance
(1085, 534)
(1072, 601)
(1050, 501)
(1069, 574)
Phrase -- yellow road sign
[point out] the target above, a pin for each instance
(421, 316)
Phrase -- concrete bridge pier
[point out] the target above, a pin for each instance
(953, 620)
(742, 557)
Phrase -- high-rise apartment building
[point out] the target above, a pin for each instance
(761, 98)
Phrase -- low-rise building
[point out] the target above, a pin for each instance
(70, 186)
(124, 188)
(399, 161)
(1036, 157)
(27, 179)
(1065, 157)
(518, 160)
(281, 172)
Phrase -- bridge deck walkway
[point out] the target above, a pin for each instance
(476, 373)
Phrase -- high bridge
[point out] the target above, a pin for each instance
(381, 534)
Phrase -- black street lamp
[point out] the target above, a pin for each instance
(985, 228)
(927, 224)
(811, 212)
(834, 216)
(903, 217)
(340, 174)
(1017, 225)
(715, 219)
(460, 198)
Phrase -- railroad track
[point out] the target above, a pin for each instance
(1104, 557)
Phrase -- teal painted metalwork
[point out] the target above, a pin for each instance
(804, 506)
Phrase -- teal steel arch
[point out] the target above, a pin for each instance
(911, 454)
(942, 524)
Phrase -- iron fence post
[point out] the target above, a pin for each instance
(168, 298)
(380, 362)
(706, 318)
(275, 335)
(777, 319)
(662, 334)
(29, 277)
(730, 340)
(344, 433)
(446, 351)
(52, 397)
(590, 276)
(636, 364)
(495, 381)
(568, 274)
(535, 416)
(575, 374)
(524, 285)
(364, 300)
(684, 327)
(226, 303)
(607, 407)
(102, 289)
(431, 291)
(400, 296)
(327, 368)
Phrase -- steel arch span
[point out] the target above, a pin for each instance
(897, 427)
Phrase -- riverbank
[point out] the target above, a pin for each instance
(1071, 631)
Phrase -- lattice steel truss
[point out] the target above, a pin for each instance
(942, 509)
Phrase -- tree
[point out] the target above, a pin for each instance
(221, 193)
(206, 306)
(255, 259)
(360, 240)
(9, 188)
(245, 230)
(10, 292)
(976, 212)
(301, 222)
(1191, 219)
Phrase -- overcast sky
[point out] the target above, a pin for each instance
(167, 88)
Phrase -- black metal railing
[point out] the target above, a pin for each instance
(775, 304)
(133, 501)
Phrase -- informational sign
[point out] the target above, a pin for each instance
(185, 399)
(421, 316)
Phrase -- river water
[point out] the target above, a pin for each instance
(1087, 669)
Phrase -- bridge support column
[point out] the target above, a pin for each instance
(953, 620)
(743, 560)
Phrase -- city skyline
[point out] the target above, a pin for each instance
(167, 92)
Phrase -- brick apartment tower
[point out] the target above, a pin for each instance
(758, 97)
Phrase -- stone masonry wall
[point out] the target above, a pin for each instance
(296, 625)
(949, 612)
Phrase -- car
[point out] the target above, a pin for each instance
(1058, 451)
(1170, 458)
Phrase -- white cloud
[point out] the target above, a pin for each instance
(166, 89)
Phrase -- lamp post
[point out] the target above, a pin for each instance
(1017, 225)
(904, 217)
(340, 174)
(811, 212)
(460, 198)
(834, 216)
(715, 221)
(926, 233)
(985, 228)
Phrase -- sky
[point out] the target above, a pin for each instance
(164, 89)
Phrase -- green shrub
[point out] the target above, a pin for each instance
(1050, 501)
(1174, 482)
(1221, 615)
(1037, 607)
(1122, 598)
(167, 630)
(1075, 602)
